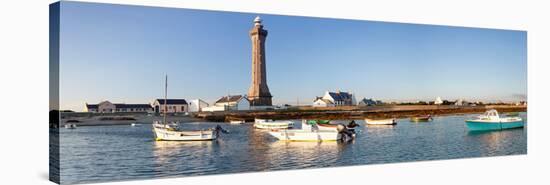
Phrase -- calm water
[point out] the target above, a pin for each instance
(103, 153)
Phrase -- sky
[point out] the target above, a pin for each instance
(121, 53)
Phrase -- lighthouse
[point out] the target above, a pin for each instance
(258, 93)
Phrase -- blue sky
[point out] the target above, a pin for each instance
(121, 53)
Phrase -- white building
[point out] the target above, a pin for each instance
(438, 101)
(196, 105)
(322, 103)
(172, 105)
(108, 107)
(335, 99)
(236, 102)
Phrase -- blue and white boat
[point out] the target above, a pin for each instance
(492, 121)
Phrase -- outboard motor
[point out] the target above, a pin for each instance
(352, 124)
(219, 129)
(345, 134)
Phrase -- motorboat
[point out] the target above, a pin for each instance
(491, 120)
(271, 124)
(311, 131)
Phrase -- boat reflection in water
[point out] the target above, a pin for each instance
(285, 155)
(174, 156)
(494, 141)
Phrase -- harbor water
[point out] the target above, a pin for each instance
(106, 153)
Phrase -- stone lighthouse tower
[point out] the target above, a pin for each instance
(258, 94)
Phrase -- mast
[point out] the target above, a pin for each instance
(165, 96)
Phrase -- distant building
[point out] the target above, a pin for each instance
(172, 105)
(320, 102)
(235, 102)
(336, 99)
(197, 105)
(438, 101)
(368, 102)
(108, 107)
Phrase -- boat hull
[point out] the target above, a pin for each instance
(305, 136)
(169, 135)
(381, 122)
(474, 125)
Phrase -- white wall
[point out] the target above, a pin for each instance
(196, 105)
(243, 104)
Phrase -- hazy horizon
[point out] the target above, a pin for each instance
(121, 53)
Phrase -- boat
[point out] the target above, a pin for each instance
(70, 126)
(135, 124)
(270, 124)
(165, 131)
(311, 131)
(172, 132)
(236, 121)
(392, 121)
(423, 118)
(491, 120)
(327, 125)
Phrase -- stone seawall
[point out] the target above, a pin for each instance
(378, 112)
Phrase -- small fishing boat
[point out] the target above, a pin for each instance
(490, 120)
(236, 121)
(311, 131)
(270, 124)
(70, 126)
(424, 118)
(380, 121)
(165, 131)
(172, 132)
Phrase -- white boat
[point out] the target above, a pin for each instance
(236, 121)
(311, 132)
(70, 126)
(380, 121)
(171, 132)
(165, 131)
(270, 124)
(135, 124)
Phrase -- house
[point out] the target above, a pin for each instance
(230, 102)
(320, 102)
(336, 99)
(172, 105)
(438, 101)
(108, 107)
(461, 102)
(196, 105)
(368, 102)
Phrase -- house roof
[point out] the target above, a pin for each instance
(122, 106)
(340, 96)
(228, 99)
(368, 101)
(91, 106)
(172, 101)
